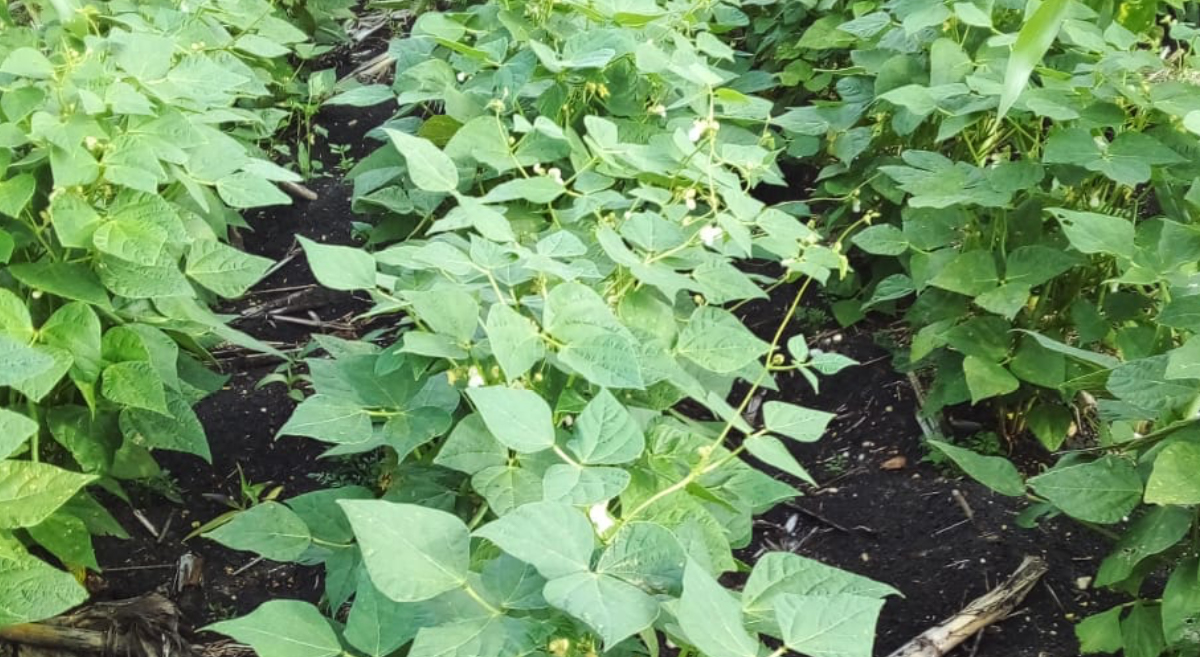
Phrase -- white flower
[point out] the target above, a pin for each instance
(600, 518)
(556, 174)
(710, 234)
(539, 169)
(568, 420)
(697, 131)
(474, 378)
(689, 198)
(659, 110)
(462, 76)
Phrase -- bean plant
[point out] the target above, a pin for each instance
(127, 134)
(560, 202)
(1039, 237)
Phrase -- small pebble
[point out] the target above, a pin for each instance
(1083, 583)
(865, 557)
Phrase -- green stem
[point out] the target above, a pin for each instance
(483, 603)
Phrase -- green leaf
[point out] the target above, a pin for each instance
(882, 239)
(21, 363)
(339, 267)
(1158, 529)
(606, 434)
(1102, 491)
(269, 529)
(1098, 359)
(412, 552)
(1145, 384)
(986, 379)
(15, 429)
(31, 589)
(224, 269)
(1173, 479)
(995, 472)
(555, 538)
(430, 168)
(711, 618)
(1090, 232)
(1181, 605)
(67, 538)
(514, 339)
(583, 485)
(839, 625)
(30, 492)
(971, 273)
(506, 487)
(135, 241)
(614, 609)
(1034, 39)
(605, 358)
(646, 555)
(179, 431)
(715, 340)
(329, 419)
(538, 190)
(773, 452)
(797, 422)
(451, 312)
(135, 384)
(470, 448)
(1142, 631)
(1100, 632)
(283, 628)
(520, 419)
(377, 625)
(68, 280)
(27, 63)
(15, 194)
(1181, 313)
(782, 573)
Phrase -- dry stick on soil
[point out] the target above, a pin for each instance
(298, 190)
(993, 606)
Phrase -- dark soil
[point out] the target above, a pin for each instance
(883, 512)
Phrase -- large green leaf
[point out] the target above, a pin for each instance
(782, 573)
(520, 419)
(615, 609)
(30, 492)
(711, 618)
(797, 422)
(15, 429)
(715, 340)
(283, 628)
(555, 538)
(514, 339)
(1173, 479)
(270, 529)
(223, 269)
(430, 168)
(1103, 491)
(31, 589)
(412, 553)
(995, 472)
(135, 384)
(646, 555)
(839, 625)
(339, 267)
(606, 434)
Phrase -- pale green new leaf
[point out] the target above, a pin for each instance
(797, 422)
(773, 452)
